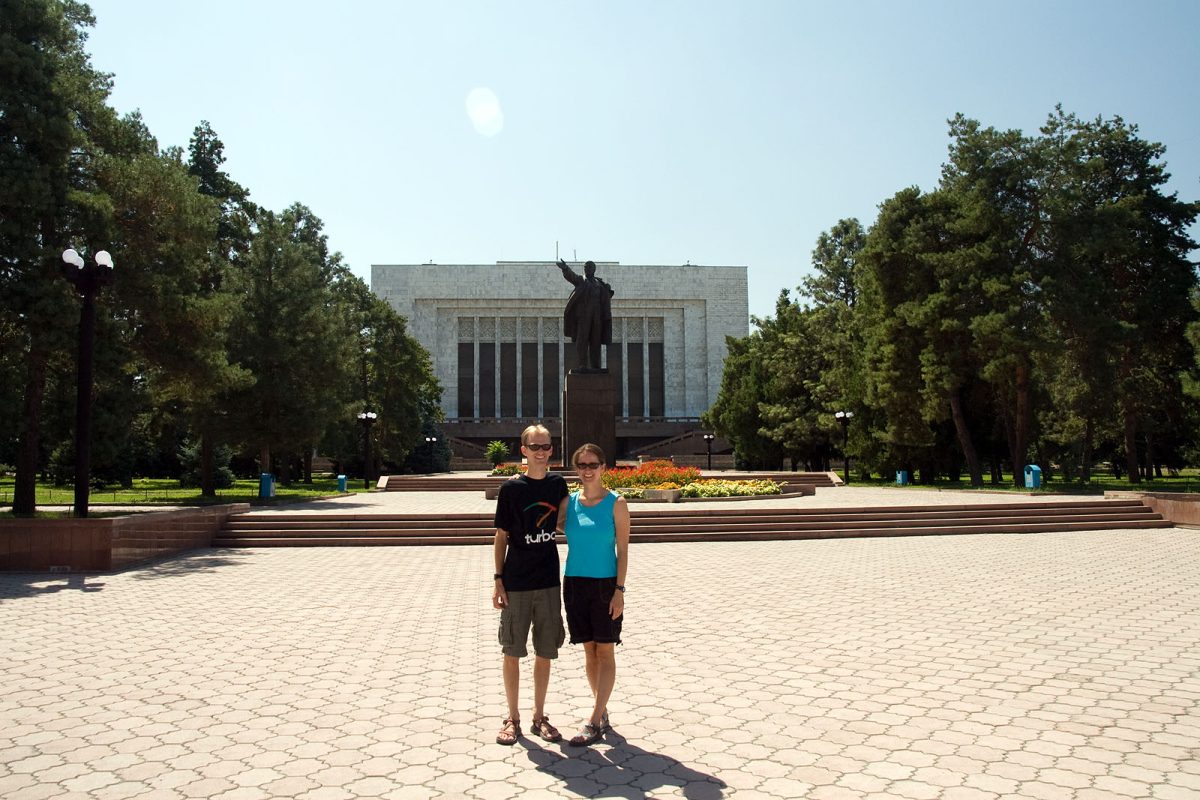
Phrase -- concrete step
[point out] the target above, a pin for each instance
(277, 530)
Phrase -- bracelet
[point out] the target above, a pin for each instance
(621, 588)
(498, 576)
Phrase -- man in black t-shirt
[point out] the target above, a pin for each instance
(527, 579)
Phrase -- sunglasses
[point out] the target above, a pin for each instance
(545, 448)
(589, 465)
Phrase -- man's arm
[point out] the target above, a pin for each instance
(569, 273)
(499, 549)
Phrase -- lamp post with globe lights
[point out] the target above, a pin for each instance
(431, 443)
(844, 418)
(367, 418)
(87, 280)
(708, 440)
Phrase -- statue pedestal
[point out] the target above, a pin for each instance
(589, 414)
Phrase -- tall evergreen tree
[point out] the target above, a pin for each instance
(53, 121)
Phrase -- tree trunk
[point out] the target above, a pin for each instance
(1089, 433)
(308, 459)
(264, 458)
(208, 483)
(1131, 454)
(25, 489)
(964, 439)
(1021, 424)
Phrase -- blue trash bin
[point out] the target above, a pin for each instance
(266, 485)
(341, 483)
(902, 477)
(1033, 476)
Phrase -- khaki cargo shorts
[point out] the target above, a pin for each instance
(543, 609)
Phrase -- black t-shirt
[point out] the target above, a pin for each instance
(528, 510)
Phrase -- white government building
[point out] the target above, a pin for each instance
(495, 334)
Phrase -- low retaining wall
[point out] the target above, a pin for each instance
(107, 543)
(1177, 507)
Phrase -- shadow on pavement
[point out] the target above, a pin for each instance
(14, 585)
(190, 563)
(621, 770)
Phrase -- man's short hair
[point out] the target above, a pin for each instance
(531, 430)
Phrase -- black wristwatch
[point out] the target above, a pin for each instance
(621, 588)
(498, 576)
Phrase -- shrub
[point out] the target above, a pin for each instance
(508, 469)
(496, 452)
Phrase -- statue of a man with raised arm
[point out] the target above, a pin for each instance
(588, 316)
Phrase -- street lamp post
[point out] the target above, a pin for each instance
(844, 418)
(430, 441)
(708, 440)
(367, 418)
(87, 280)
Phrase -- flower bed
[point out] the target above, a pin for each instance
(720, 488)
(650, 475)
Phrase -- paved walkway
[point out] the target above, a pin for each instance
(1041, 666)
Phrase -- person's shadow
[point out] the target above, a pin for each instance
(620, 770)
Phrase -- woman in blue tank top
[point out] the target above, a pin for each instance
(597, 529)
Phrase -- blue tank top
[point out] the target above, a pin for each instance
(591, 538)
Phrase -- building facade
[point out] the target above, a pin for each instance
(495, 334)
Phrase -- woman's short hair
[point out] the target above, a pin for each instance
(588, 447)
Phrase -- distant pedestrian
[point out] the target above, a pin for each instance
(597, 528)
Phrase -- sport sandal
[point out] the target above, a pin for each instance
(543, 728)
(510, 732)
(589, 734)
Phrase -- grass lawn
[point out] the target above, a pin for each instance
(166, 491)
(1188, 480)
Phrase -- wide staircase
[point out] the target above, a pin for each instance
(690, 525)
(452, 482)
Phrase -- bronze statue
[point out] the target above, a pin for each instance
(588, 316)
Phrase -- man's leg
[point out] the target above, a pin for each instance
(541, 680)
(512, 685)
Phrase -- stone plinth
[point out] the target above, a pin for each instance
(590, 414)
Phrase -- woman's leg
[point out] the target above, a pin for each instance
(589, 660)
(602, 660)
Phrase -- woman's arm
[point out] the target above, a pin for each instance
(616, 606)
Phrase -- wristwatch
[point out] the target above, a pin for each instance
(621, 588)
(497, 576)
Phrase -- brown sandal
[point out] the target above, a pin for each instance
(510, 732)
(543, 728)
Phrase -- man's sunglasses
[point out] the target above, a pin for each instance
(543, 447)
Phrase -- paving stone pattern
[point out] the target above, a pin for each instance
(1038, 666)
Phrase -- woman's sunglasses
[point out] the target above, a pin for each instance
(543, 447)
(588, 465)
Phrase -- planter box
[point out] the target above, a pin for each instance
(663, 495)
(107, 543)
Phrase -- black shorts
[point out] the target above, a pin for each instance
(587, 602)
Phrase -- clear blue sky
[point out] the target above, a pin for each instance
(634, 131)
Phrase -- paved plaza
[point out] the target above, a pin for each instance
(1043, 666)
